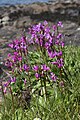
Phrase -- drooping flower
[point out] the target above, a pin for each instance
(11, 45)
(59, 36)
(62, 44)
(13, 80)
(37, 75)
(36, 68)
(59, 53)
(45, 23)
(51, 53)
(53, 77)
(9, 55)
(59, 63)
(5, 90)
(60, 24)
(6, 84)
(47, 45)
(54, 27)
(57, 42)
(45, 68)
(26, 67)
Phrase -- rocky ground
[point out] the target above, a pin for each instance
(15, 19)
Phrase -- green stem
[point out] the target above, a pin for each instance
(13, 108)
(45, 91)
(41, 87)
(3, 95)
(29, 79)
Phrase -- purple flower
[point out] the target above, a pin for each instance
(47, 45)
(41, 42)
(59, 36)
(51, 53)
(23, 39)
(57, 42)
(47, 30)
(54, 63)
(6, 84)
(26, 67)
(59, 63)
(37, 75)
(14, 58)
(19, 44)
(19, 58)
(11, 45)
(45, 68)
(17, 47)
(47, 35)
(5, 90)
(45, 23)
(12, 80)
(23, 46)
(9, 55)
(60, 24)
(51, 40)
(16, 53)
(59, 53)
(16, 42)
(54, 27)
(62, 43)
(36, 68)
(53, 77)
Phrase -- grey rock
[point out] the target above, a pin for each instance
(76, 1)
(1, 25)
(66, 1)
(5, 23)
(22, 16)
(0, 20)
(13, 15)
(5, 19)
(72, 12)
(78, 29)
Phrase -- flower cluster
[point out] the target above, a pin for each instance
(42, 35)
(15, 60)
(50, 40)
(19, 45)
(41, 71)
(50, 43)
(6, 84)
